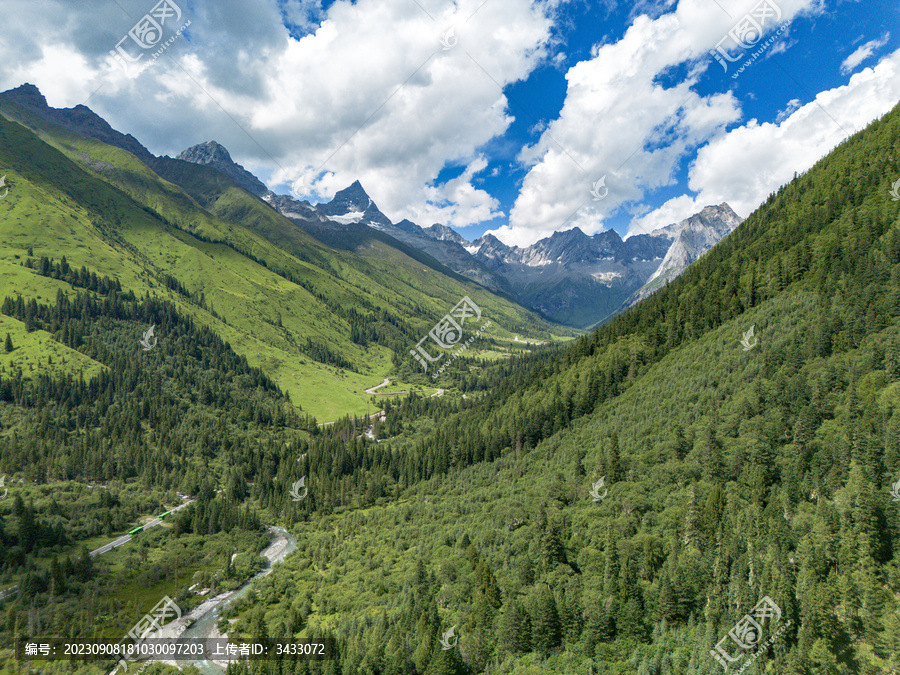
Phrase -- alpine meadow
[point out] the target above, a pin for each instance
(440, 379)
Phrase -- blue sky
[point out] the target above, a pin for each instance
(504, 124)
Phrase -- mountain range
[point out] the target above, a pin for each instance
(569, 277)
(326, 314)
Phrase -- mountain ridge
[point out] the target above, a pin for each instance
(569, 277)
(300, 310)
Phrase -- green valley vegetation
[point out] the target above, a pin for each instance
(732, 474)
(323, 322)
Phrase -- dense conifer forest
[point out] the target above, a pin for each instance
(729, 474)
(733, 474)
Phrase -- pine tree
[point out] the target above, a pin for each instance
(713, 466)
(480, 634)
(514, 630)
(892, 358)
(668, 602)
(445, 662)
(821, 659)
(612, 463)
(546, 630)
(9, 344)
(682, 446)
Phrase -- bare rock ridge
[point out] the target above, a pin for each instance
(212, 154)
(696, 235)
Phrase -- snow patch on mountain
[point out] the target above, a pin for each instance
(347, 218)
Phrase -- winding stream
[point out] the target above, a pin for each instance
(206, 615)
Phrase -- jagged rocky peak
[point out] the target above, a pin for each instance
(353, 205)
(574, 245)
(720, 217)
(208, 153)
(444, 233)
(407, 225)
(354, 197)
(696, 235)
(217, 156)
(489, 246)
(28, 95)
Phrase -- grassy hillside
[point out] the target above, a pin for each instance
(292, 310)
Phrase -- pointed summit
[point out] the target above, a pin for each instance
(354, 198)
(217, 156)
(353, 205)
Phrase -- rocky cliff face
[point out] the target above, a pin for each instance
(569, 277)
(696, 235)
(214, 155)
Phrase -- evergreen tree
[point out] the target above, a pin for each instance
(612, 463)
(514, 629)
(546, 632)
(713, 466)
(445, 662)
(9, 344)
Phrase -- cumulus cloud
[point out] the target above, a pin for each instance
(750, 162)
(619, 120)
(362, 90)
(365, 90)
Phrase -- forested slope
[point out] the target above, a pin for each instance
(733, 474)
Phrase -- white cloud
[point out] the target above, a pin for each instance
(457, 203)
(366, 93)
(748, 163)
(789, 109)
(861, 54)
(453, 104)
(620, 121)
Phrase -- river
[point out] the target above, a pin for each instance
(206, 615)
